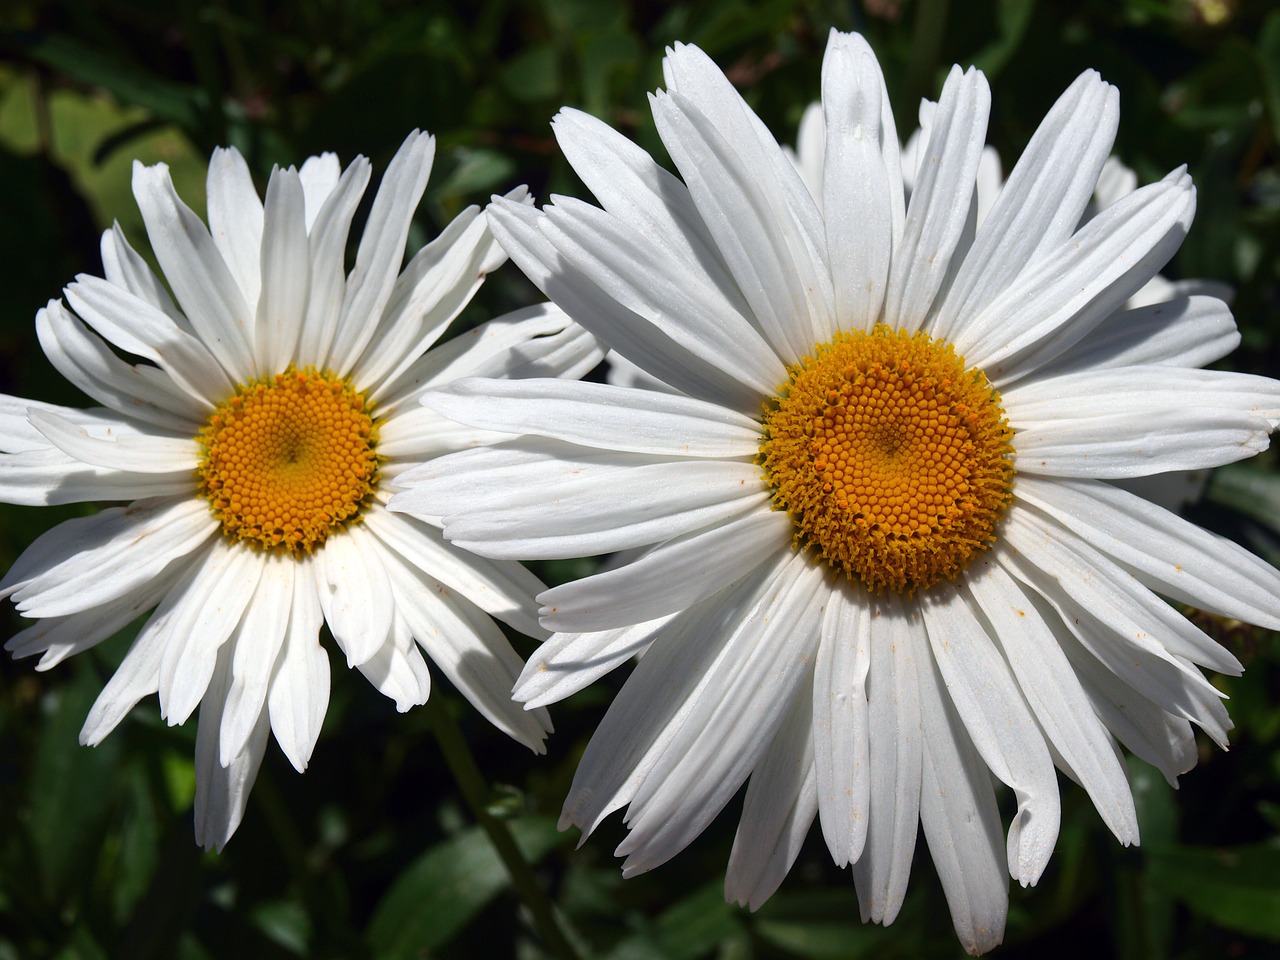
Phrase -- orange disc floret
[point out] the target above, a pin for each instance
(289, 459)
(894, 461)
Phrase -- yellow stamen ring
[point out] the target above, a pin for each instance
(288, 460)
(892, 459)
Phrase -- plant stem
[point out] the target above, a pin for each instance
(474, 790)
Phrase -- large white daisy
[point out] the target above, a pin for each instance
(273, 402)
(882, 558)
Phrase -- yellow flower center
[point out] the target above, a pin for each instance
(892, 459)
(289, 459)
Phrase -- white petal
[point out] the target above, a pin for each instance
(139, 328)
(137, 453)
(137, 676)
(397, 670)
(60, 637)
(1042, 201)
(536, 341)
(1001, 726)
(568, 662)
(255, 645)
(600, 415)
(223, 791)
(299, 694)
(770, 236)
(142, 391)
(354, 592)
(669, 577)
(381, 249)
(655, 702)
(1055, 696)
(319, 179)
(196, 271)
(432, 290)
(1135, 421)
(502, 590)
(327, 243)
(235, 219)
(794, 226)
(893, 701)
(732, 721)
(469, 649)
(1059, 300)
(1115, 624)
(286, 274)
(1169, 554)
(841, 747)
(939, 209)
(532, 498)
(960, 819)
(123, 267)
(519, 229)
(44, 477)
(671, 294)
(636, 190)
(419, 434)
(197, 617)
(782, 797)
(1186, 332)
(91, 560)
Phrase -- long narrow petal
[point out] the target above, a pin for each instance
(960, 818)
(135, 326)
(355, 594)
(194, 267)
(940, 203)
(381, 249)
(893, 713)
(255, 645)
(1041, 203)
(467, 646)
(299, 694)
(781, 800)
(502, 590)
(1184, 332)
(568, 662)
(91, 560)
(841, 727)
(535, 341)
(124, 267)
(1002, 728)
(669, 577)
(197, 617)
(1169, 554)
(636, 190)
(1131, 422)
(732, 722)
(1058, 301)
(397, 669)
(520, 231)
(1055, 696)
(327, 243)
(600, 415)
(222, 791)
(236, 219)
(286, 274)
(133, 452)
(45, 477)
(142, 391)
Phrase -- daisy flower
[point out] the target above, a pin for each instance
(272, 402)
(880, 561)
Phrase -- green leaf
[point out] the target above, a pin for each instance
(179, 104)
(442, 890)
(1235, 887)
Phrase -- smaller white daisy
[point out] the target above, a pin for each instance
(272, 405)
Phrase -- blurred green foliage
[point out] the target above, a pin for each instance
(372, 854)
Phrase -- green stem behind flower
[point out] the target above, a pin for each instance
(474, 790)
